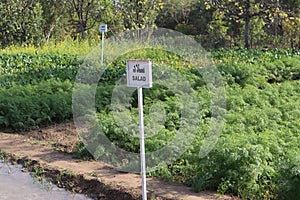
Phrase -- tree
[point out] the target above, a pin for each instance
(55, 17)
(80, 14)
(291, 29)
(217, 30)
(257, 34)
(138, 14)
(21, 22)
(291, 21)
(200, 18)
(84, 14)
(176, 14)
(179, 10)
(245, 10)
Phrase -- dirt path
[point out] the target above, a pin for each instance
(95, 178)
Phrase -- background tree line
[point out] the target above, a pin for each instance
(215, 23)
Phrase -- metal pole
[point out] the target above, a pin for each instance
(102, 55)
(142, 143)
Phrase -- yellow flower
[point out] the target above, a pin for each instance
(207, 7)
(283, 15)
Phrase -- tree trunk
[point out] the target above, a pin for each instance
(246, 35)
(247, 24)
(230, 39)
(82, 29)
(83, 36)
(23, 33)
(299, 42)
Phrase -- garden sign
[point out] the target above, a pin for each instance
(139, 74)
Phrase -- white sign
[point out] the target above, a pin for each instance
(103, 28)
(139, 73)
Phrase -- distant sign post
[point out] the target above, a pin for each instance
(139, 74)
(103, 29)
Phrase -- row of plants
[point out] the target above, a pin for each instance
(32, 106)
(24, 69)
(253, 55)
(256, 156)
(31, 68)
(259, 74)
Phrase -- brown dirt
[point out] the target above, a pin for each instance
(49, 148)
(62, 137)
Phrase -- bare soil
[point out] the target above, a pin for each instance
(49, 149)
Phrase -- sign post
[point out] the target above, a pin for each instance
(139, 74)
(103, 29)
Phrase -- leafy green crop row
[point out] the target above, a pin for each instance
(23, 107)
(287, 68)
(33, 68)
(253, 56)
(275, 65)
